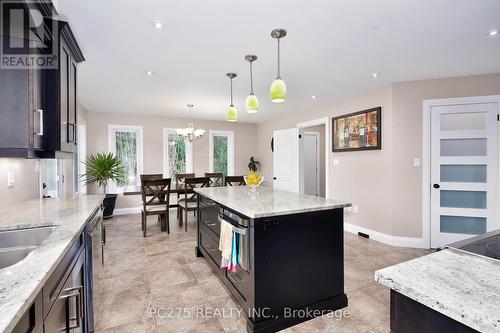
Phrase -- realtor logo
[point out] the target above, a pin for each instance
(28, 39)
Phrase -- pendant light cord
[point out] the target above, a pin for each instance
(279, 76)
(231, 91)
(251, 78)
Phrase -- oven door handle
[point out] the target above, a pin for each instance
(236, 229)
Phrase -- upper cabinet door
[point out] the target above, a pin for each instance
(72, 116)
(64, 72)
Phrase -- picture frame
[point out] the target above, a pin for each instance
(361, 130)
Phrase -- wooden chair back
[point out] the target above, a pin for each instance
(192, 183)
(216, 178)
(156, 192)
(234, 181)
(181, 176)
(151, 176)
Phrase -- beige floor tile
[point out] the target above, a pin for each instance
(161, 271)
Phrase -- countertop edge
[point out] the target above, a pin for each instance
(20, 311)
(445, 309)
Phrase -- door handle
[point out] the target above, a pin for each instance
(436, 186)
(274, 178)
(40, 122)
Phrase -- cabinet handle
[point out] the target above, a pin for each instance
(40, 122)
(78, 300)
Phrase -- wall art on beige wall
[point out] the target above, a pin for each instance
(360, 130)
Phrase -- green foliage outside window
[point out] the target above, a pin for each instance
(176, 155)
(126, 150)
(220, 154)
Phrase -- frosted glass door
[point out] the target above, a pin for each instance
(464, 157)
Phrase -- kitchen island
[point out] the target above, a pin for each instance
(292, 252)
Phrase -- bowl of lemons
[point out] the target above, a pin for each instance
(253, 180)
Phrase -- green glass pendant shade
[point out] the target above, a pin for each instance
(278, 91)
(252, 104)
(232, 114)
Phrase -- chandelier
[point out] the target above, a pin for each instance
(189, 132)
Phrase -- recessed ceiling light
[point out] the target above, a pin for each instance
(313, 96)
(374, 75)
(493, 33)
(157, 24)
(149, 73)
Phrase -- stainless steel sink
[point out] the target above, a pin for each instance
(15, 245)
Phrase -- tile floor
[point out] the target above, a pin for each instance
(161, 273)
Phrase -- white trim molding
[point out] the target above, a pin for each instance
(399, 241)
(230, 150)
(112, 128)
(127, 211)
(323, 121)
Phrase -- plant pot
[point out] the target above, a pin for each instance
(109, 205)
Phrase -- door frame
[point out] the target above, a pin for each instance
(426, 153)
(322, 121)
(301, 171)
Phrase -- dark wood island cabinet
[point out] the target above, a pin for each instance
(292, 256)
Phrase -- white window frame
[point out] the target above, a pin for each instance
(112, 129)
(82, 156)
(189, 152)
(230, 149)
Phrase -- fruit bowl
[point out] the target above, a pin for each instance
(252, 183)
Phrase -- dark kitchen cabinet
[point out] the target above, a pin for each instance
(62, 97)
(32, 320)
(38, 107)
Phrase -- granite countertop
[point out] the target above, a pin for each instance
(460, 285)
(267, 201)
(21, 283)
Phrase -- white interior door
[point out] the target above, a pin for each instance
(287, 159)
(464, 158)
(310, 163)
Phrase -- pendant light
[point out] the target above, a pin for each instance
(232, 113)
(189, 132)
(251, 103)
(278, 87)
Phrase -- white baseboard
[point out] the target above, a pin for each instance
(388, 239)
(126, 211)
(129, 210)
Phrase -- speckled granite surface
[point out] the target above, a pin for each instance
(267, 201)
(20, 283)
(462, 286)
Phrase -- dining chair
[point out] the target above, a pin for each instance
(216, 178)
(179, 179)
(190, 200)
(155, 201)
(234, 181)
(150, 177)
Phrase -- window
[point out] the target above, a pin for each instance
(177, 154)
(221, 156)
(79, 167)
(126, 143)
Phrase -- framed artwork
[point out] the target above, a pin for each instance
(360, 130)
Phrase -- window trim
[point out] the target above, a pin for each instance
(230, 150)
(112, 129)
(189, 152)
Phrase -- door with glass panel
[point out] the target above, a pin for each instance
(464, 157)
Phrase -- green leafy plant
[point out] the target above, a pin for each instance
(102, 168)
(253, 165)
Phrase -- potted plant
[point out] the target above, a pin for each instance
(101, 169)
(253, 165)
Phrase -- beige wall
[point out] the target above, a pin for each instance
(383, 184)
(97, 141)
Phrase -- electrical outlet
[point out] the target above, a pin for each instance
(355, 209)
(336, 162)
(11, 179)
(417, 162)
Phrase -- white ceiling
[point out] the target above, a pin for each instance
(331, 49)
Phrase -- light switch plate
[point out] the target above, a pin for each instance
(11, 179)
(335, 162)
(355, 209)
(417, 162)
